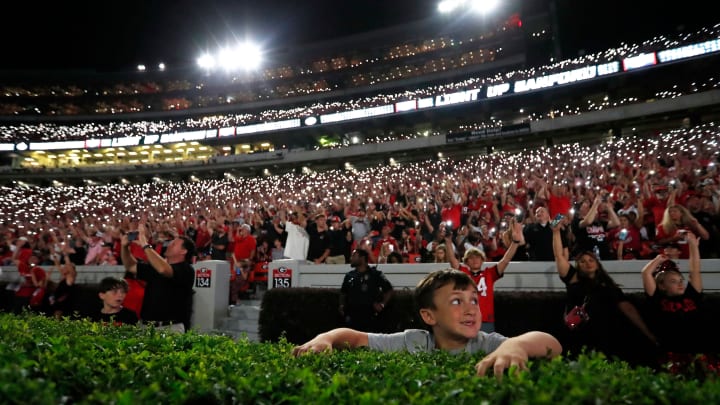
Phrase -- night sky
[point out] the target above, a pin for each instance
(113, 34)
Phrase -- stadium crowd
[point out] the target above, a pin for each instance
(627, 198)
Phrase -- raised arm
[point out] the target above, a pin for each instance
(694, 276)
(592, 213)
(517, 239)
(450, 249)
(648, 280)
(340, 338)
(127, 258)
(561, 261)
(614, 221)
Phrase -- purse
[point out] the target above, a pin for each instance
(576, 316)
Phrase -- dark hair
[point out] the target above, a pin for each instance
(189, 246)
(425, 289)
(362, 253)
(112, 283)
(602, 277)
(394, 255)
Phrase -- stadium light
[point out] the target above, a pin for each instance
(250, 54)
(484, 6)
(447, 6)
(206, 61)
(478, 6)
(246, 56)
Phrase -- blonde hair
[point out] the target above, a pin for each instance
(668, 225)
(473, 251)
(444, 248)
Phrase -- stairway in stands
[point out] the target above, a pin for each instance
(242, 319)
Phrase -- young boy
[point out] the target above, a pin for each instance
(447, 300)
(112, 293)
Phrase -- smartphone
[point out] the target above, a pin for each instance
(622, 235)
(556, 221)
(519, 215)
(131, 236)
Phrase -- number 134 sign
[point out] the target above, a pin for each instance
(202, 278)
(282, 277)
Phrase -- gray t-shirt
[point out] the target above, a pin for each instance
(418, 340)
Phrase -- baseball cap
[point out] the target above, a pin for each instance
(335, 218)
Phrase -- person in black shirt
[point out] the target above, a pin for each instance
(539, 237)
(590, 229)
(112, 293)
(340, 235)
(364, 294)
(319, 248)
(169, 289)
(219, 242)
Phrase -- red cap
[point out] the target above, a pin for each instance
(335, 218)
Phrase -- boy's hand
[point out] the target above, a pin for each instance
(502, 359)
(317, 345)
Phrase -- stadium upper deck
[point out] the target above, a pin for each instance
(649, 86)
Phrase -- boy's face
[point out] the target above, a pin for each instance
(456, 317)
(113, 298)
(475, 262)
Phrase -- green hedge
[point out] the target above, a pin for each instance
(298, 314)
(46, 361)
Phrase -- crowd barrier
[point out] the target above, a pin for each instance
(211, 286)
(519, 276)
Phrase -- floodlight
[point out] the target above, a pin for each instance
(447, 6)
(206, 61)
(483, 6)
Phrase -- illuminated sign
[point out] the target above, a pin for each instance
(642, 60)
(96, 143)
(355, 114)
(570, 76)
(310, 121)
(150, 139)
(608, 68)
(457, 98)
(57, 145)
(406, 106)
(689, 51)
(129, 141)
(183, 136)
(497, 90)
(426, 103)
(7, 146)
(228, 131)
(267, 126)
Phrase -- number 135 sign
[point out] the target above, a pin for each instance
(282, 277)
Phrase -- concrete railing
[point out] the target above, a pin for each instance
(519, 276)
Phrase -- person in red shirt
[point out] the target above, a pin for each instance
(244, 245)
(202, 239)
(134, 294)
(385, 238)
(485, 278)
(677, 222)
(34, 280)
(451, 211)
(626, 239)
(658, 201)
